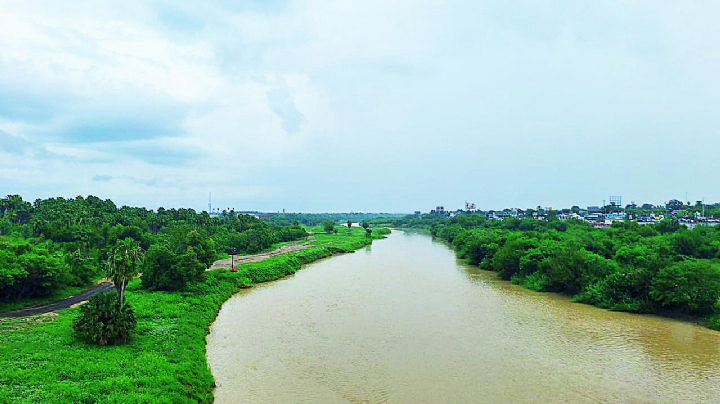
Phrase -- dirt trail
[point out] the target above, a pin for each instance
(102, 286)
(244, 259)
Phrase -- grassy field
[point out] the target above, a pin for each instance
(164, 359)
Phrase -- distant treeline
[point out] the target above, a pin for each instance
(661, 268)
(316, 219)
(55, 243)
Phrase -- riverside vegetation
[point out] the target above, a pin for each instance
(663, 268)
(44, 360)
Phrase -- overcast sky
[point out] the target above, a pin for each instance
(374, 105)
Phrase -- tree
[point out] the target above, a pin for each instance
(692, 285)
(349, 224)
(329, 225)
(124, 264)
(667, 226)
(158, 269)
(103, 319)
(365, 225)
(507, 259)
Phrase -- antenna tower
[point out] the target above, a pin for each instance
(210, 203)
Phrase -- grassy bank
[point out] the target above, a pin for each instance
(163, 361)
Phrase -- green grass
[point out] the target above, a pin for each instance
(345, 239)
(164, 360)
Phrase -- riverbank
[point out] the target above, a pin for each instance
(163, 361)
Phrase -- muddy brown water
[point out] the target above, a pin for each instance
(403, 321)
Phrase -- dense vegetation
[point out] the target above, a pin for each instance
(163, 360)
(51, 246)
(663, 268)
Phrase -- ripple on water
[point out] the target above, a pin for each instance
(406, 322)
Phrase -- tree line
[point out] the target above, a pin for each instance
(662, 268)
(54, 243)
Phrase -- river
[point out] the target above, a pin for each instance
(403, 321)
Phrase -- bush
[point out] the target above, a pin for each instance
(28, 271)
(104, 321)
(507, 259)
(692, 285)
(164, 270)
(627, 289)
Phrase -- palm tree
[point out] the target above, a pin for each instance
(124, 264)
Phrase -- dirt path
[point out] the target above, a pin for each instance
(102, 286)
(244, 259)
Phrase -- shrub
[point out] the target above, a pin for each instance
(103, 320)
(692, 285)
(507, 259)
(164, 270)
(383, 231)
(627, 289)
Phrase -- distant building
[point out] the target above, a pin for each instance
(594, 209)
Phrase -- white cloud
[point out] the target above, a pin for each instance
(421, 100)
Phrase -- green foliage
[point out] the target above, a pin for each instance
(507, 258)
(28, 270)
(71, 240)
(686, 243)
(571, 270)
(627, 289)
(290, 233)
(328, 225)
(692, 285)
(529, 263)
(124, 263)
(165, 270)
(104, 320)
(173, 267)
(668, 226)
(381, 232)
(82, 267)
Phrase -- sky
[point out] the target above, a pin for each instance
(364, 106)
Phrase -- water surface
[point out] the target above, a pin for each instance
(403, 321)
